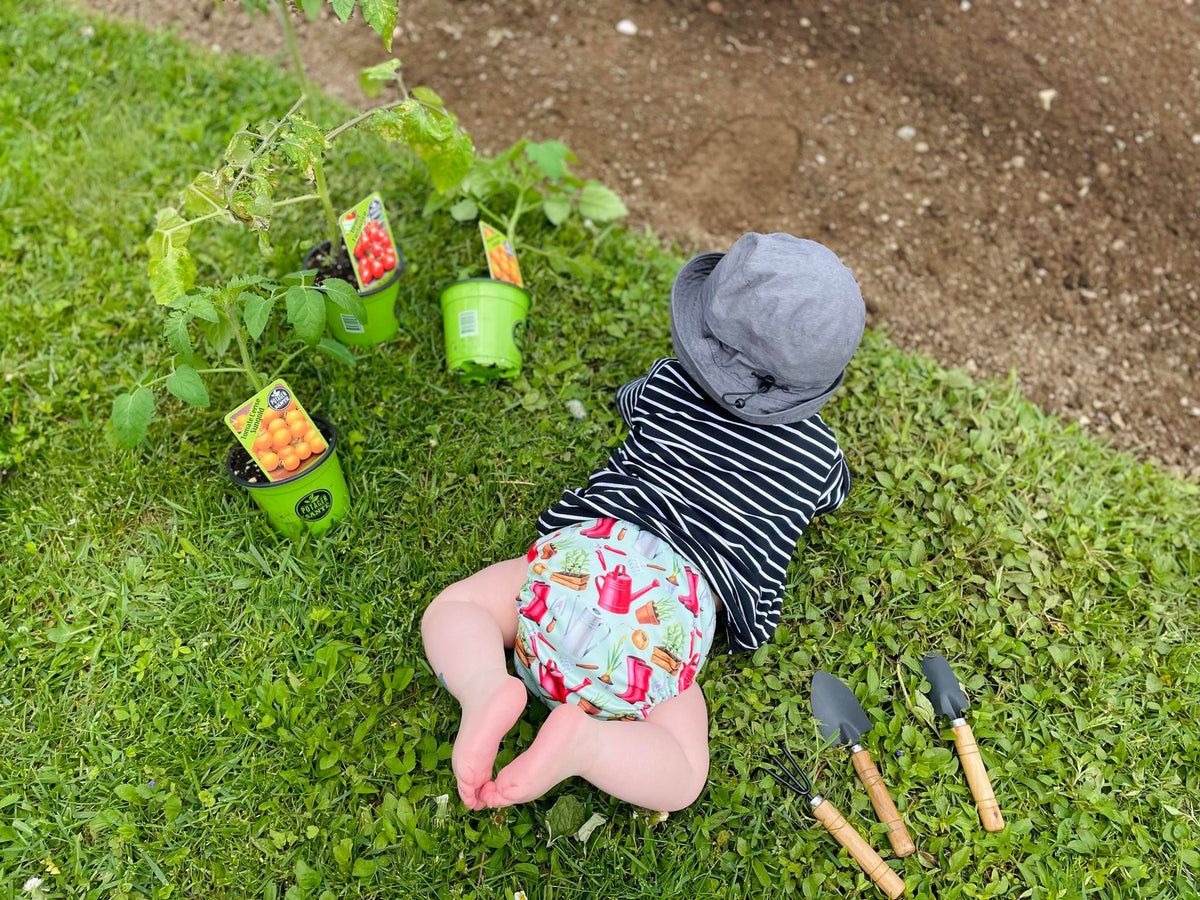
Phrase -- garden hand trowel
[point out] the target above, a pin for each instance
(842, 719)
(949, 700)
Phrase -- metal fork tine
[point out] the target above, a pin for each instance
(788, 772)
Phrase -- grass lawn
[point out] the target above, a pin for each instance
(191, 706)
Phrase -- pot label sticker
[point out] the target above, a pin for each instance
(468, 323)
(369, 241)
(501, 258)
(351, 324)
(314, 506)
(277, 432)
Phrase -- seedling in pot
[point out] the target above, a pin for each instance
(235, 330)
(525, 179)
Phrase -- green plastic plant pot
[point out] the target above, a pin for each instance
(380, 303)
(312, 501)
(483, 319)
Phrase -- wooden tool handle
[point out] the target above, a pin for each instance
(898, 835)
(977, 778)
(877, 870)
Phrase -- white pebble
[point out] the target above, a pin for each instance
(627, 27)
(1196, 138)
(965, 6)
(1047, 97)
(906, 132)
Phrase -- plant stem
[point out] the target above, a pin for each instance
(224, 370)
(248, 361)
(331, 223)
(359, 119)
(303, 198)
(286, 361)
(293, 45)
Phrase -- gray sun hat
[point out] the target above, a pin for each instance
(768, 328)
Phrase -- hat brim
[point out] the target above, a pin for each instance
(706, 361)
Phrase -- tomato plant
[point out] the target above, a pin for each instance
(213, 329)
(526, 178)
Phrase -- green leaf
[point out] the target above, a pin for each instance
(175, 329)
(381, 16)
(335, 350)
(219, 334)
(363, 868)
(172, 807)
(557, 209)
(312, 8)
(549, 158)
(186, 384)
(131, 415)
(598, 203)
(373, 79)
(256, 312)
(306, 312)
(202, 196)
(464, 210)
(342, 9)
(304, 144)
(170, 230)
(451, 163)
(428, 95)
(585, 831)
(307, 877)
(565, 817)
(343, 295)
(173, 273)
(198, 305)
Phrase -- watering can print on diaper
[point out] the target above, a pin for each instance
(616, 590)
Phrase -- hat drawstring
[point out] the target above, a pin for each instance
(765, 383)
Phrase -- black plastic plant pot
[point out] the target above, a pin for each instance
(312, 500)
(380, 302)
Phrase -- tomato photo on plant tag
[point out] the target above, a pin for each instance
(277, 432)
(369, 241)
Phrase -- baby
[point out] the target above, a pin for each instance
(693, 521)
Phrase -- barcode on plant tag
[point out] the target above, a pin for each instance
(468, 323)
(351, 324)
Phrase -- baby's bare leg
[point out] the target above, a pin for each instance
(467, 629)
(660, 763)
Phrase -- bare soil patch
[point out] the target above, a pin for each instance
(1013, 182)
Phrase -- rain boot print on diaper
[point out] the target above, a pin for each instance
(603, 623)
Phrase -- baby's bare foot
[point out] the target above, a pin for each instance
(485, 721)
(560, 750)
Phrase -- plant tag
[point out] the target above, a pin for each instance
(277, 432)
(502, 259)
(369, 242)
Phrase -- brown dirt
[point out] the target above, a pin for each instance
(1013, 181)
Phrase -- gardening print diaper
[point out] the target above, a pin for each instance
(612, 619)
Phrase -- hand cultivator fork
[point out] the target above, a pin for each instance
(788, 772)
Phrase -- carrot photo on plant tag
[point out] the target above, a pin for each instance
(501, 257)
(277, 432)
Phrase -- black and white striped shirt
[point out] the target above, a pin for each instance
(731, 496)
